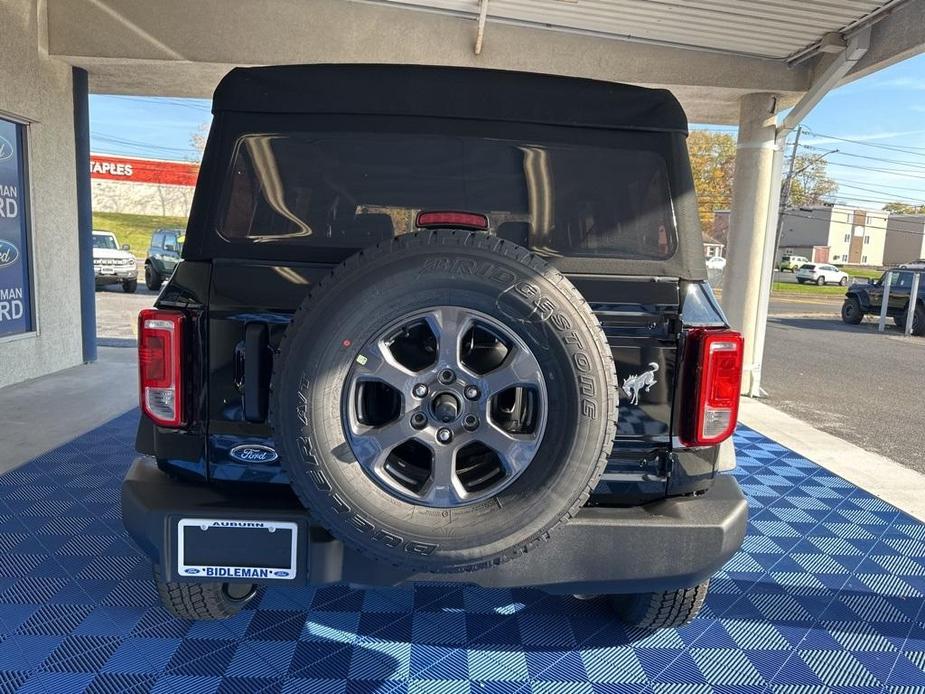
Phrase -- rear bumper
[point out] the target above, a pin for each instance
(668, 544)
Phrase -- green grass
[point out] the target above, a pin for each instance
(791, 288)
(861, 272)
(135, 229)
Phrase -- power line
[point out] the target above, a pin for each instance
(720, 204)
(201, 108)
(919, 231)
(873, 169)
(908, 149)
(143, 146)
(865, 156)
(881, 191)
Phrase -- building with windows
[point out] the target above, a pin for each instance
(836, 234)
(905, 239)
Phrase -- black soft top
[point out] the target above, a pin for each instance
(448, 92)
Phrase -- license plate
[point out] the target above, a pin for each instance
(107, 271)
(237, 549)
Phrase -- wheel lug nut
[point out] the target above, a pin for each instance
(446, 376)
(471, 422)
(418, 420)
(472, 393)
(419, 390)
(444, 435)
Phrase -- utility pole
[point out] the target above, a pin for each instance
(785, 198)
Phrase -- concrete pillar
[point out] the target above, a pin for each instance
(755, 193)
(84, 214)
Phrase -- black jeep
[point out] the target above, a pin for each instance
(162, 256)
(438, 324)
(864, 299)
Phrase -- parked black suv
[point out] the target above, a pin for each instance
(438, 324)
(162, 256)
(863, 299)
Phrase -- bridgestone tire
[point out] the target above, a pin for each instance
(662, 610)
(201, 601)
(379, 286)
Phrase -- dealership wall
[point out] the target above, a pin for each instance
(38, 91)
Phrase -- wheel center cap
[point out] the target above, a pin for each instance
(445, 407)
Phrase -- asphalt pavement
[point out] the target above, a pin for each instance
(117, 313)
(848, 380)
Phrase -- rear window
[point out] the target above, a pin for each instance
(808, 267)
(349, 190)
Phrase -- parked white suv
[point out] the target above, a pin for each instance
(112, 264)
(821, 274)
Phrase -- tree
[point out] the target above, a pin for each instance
(810, 184)
(198, 139)
(904, 208)
(712, 157)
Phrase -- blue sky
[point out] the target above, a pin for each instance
(877, 124)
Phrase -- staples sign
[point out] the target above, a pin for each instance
(110, 169)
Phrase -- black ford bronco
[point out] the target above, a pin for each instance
(438, 324)
(867, 299)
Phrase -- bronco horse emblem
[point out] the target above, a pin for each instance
(644, 381)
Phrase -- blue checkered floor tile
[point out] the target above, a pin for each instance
(825, 596)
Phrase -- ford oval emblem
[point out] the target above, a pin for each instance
(6, 149)
(253, 453)
(191, 571)
(9, 254)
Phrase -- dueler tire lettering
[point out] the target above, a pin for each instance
(413, 273)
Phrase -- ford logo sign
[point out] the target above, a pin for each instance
(253, 453)
(191, 571)
(6, 149)
(9, 254)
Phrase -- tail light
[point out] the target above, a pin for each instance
(160, 338)
(442, 218)
(716, 385)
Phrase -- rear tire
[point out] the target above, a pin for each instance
(843, 282)
(918, 321)
(203, 601)
(152, 278)
(820, 281)
(851, 311)
(661, 610)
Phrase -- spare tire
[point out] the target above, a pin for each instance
(443, 401)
